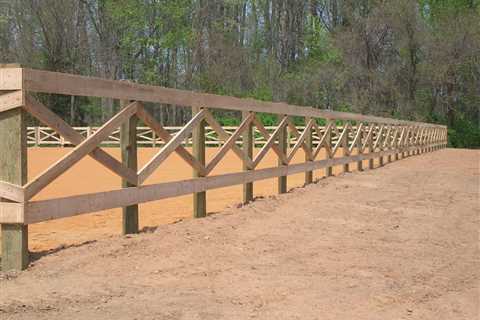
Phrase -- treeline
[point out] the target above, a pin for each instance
(409, 59)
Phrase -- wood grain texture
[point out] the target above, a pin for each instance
(11, 100)
(198, 150)
(128, 150)
(282, 147)
(248, 146)
(13, 170)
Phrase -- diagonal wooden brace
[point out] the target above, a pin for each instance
(46, 116)
(170, 147)
(230, 142)
(225, 136)
(166, 137)
(266, 135)
(270, 142)
(85, 147)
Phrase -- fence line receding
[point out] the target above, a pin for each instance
(345, 138)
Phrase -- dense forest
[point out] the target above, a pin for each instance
(408, 59)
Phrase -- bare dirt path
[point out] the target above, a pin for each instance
(399, 242)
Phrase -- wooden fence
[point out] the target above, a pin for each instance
(357, 137)
(146, 137)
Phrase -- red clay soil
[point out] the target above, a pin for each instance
(398, 242)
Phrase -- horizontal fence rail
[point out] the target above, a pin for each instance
(345, 139)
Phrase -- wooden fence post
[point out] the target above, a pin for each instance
(309, 144)
(328, 141)
(198, 150)
(248, 144)
(346, 152)
(389, 143)
(370, 147)
(359, 146)
(37, 135)
(128, 147)
(380, 145)
(282, 145)
(13, 169)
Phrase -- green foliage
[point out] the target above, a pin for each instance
(464, 134)
(268, 119)
(228, 121)
(407, 59)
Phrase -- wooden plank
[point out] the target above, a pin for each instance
(84, 148)
(166, 137)
(61, 83)
(370, 145)
(270, 142)
(300, 140)
(11, 213)
(229, 143)
(380, 143)
(357, 142)
(308, 143)
(198, 149)
(346, 150)
(45, 115)
(43, 210)
(340, 142)
(11, 100)
(128, 149)
(356, 138)
(13, 170)
(225, 136)
(323, 140)
(170, 147)
(248, 145)
(266, 135)
(12, 192)
(299, 137)
(282, 147)
(328, 146)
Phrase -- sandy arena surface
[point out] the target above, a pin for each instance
(398, 242)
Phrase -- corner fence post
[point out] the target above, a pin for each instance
(248, 150)
(282, 145)
(128, 147)
(198, 150)
(309, 144)
(13, 169)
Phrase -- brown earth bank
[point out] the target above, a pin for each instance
(398, 242)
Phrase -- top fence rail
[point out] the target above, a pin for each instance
(68, 84)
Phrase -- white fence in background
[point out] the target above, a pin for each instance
(146, 137)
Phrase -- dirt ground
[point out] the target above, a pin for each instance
(398, 242)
